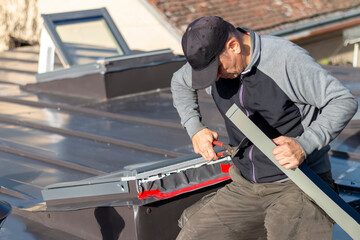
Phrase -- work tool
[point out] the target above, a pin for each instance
(230, 151)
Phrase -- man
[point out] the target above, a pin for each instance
(291, 98)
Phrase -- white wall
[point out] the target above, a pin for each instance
(140, 28)
(328, 48)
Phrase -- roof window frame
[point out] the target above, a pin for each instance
(50, 26)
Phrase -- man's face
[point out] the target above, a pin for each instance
(229, 65)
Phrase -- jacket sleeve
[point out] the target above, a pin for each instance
(185, 100)
(315, 86)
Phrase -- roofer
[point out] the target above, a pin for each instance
(290, 97)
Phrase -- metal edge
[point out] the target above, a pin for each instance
(72, 72)
(135, 55)
(88, 190)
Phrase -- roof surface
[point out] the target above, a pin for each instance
(48, 139)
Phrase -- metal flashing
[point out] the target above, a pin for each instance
(85, 190)
(114, 183)
(106, 65)
(73, 72)
(306, 27)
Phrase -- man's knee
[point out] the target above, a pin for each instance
(299, 218)
(193, 209)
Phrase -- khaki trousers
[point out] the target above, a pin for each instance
(243, 210)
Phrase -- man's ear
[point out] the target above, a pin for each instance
(233, 45)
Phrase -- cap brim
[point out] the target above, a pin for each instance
(205, 77)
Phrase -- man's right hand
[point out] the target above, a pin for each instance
(202, 142)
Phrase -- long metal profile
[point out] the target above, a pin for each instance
(85, 190)
(344, 215)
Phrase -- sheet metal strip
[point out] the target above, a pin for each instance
(345, 216)
(85, 190)
(92, 137)
(52, 161)
(94, 112)
(83, 109)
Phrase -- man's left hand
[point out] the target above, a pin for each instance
(288, 152)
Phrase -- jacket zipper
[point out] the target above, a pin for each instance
(241, 98)
(252, 163)
(247, 114)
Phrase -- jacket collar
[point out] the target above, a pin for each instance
(255, 48)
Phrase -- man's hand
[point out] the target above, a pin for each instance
(288, 152)
(202, 142)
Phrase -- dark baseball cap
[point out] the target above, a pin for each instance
(202, 43)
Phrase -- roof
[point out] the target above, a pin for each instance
(260, 15)
(50, 139)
